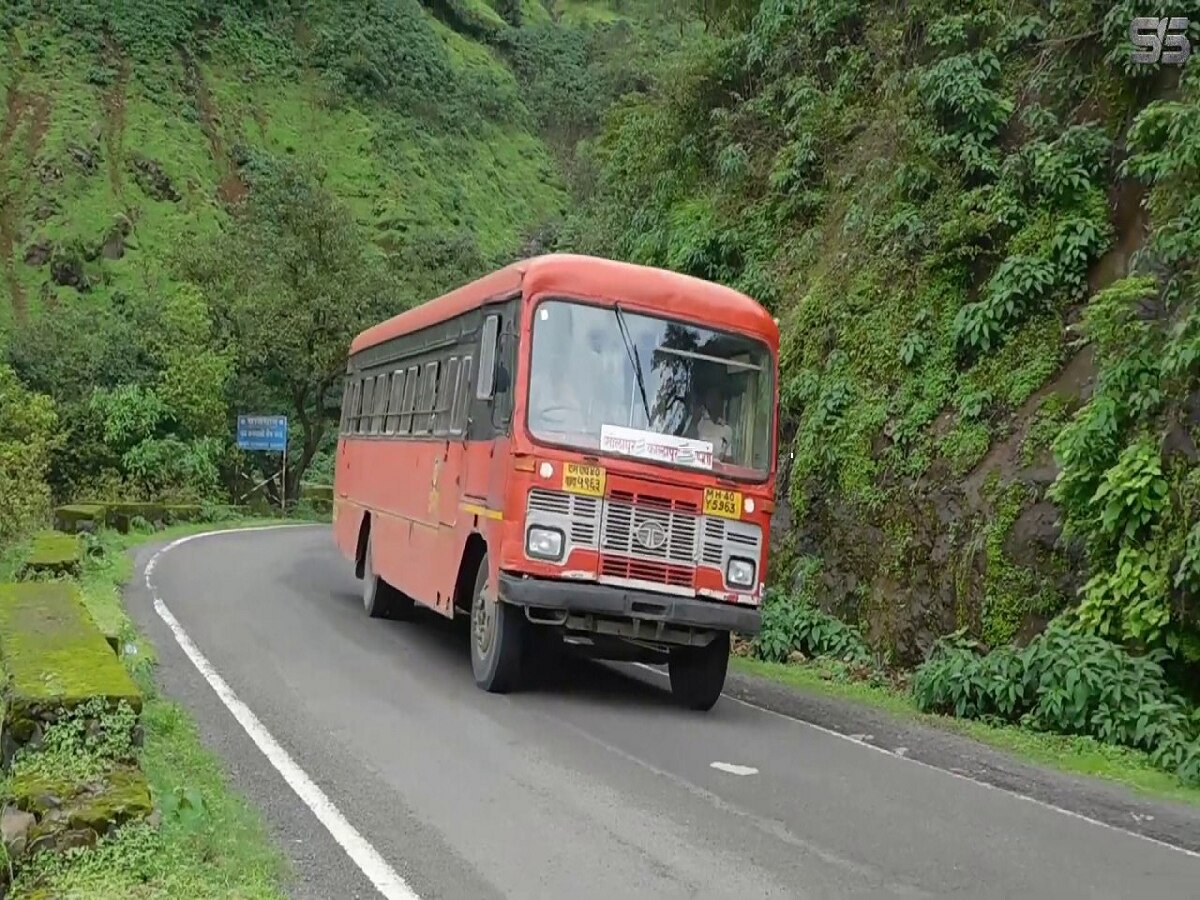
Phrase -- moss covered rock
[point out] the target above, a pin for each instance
(53, 553)
(55, 658)
(76, 814)
(79, 517)
(317, 492)
(102, 804)
(119, 514)
(178, 513)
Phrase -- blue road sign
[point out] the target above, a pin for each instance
(262, 433)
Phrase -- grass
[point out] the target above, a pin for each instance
(1074, 755)
(12, 559)
(211, 842)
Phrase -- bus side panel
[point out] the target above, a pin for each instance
(437, 549)
(503, 508)
(348, 497)
(419, 526)
(347, 518)
(397, 477)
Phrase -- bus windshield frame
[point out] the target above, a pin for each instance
(608, 380)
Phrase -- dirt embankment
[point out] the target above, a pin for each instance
(231, 188)
(26, 119)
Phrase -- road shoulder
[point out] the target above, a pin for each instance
(1176, 824)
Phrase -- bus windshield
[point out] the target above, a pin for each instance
(611, 380)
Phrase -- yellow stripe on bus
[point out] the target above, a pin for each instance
(481, 511)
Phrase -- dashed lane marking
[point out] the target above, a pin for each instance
(734, 768)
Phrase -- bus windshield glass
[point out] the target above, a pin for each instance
(614, 381)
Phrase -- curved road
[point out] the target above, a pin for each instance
(592, 786)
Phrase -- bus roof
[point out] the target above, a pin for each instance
(590, 277)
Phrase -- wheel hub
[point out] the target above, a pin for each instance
(484, 623)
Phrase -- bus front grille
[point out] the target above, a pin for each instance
(650, 532)
(577, 516)
(629, 569)
(645, 537)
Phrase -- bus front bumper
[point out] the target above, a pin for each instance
(623, 603)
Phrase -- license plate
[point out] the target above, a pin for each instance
(581, 479)
(726, 504)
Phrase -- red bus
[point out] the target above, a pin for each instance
(571, 449)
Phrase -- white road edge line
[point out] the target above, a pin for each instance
(916, 762)
(386, 880)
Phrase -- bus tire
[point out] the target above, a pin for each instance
(698, 673)
(498, 636)
(380, 599)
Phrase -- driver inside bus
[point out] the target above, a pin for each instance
(559, 407)
(708, 423)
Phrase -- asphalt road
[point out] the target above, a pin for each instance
(591, 785)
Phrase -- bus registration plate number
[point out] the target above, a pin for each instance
(726, 504)
(582, 479)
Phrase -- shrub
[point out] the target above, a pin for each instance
(28, 435)
(1068, 682)
(791, 623)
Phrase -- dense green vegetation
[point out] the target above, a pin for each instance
(201, 203)
(976, 226)
(967, 221)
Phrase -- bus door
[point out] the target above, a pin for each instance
(486, 460)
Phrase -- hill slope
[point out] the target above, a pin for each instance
(975, 227)
(433, 135)
(124, 134)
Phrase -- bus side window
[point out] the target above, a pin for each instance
(410, 399)
(502, 406)
(423, 420)
(355, 400)
(345, 407)
(368, 405)
(394, 401)
(381, 402)
(462, 398)
(487, 358)
(447, 391)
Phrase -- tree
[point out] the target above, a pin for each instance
(28, 433)
(289, 284)
(510, 11)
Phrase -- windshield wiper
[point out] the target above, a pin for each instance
(635, 358)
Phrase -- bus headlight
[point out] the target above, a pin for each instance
(740, 573)
(544, 543)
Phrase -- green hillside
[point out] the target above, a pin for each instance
(122, 122)
(433, 139)
(977, 226)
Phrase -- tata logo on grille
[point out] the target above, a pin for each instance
(651, 535)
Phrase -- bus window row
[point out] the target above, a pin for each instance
(427, 399)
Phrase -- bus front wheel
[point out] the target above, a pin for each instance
(497, 638)
(698, 673)
(380, 599)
